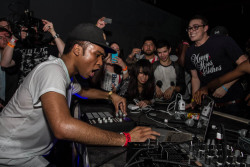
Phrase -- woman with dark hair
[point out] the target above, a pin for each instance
(141, 83)
(114, 71)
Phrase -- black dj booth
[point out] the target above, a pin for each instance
(182, 142)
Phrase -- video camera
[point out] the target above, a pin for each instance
(33, 27)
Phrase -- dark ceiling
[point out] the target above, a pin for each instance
(234, 15)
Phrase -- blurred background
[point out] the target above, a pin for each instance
(132, 20)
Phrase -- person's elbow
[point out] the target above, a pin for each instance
(241, 59)
(60, 131)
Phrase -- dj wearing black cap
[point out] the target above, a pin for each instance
(38, 112)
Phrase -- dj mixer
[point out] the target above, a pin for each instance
(191, 153)
(187, 150)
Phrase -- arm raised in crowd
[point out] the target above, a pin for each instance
(131, 57)
(48, 26)
(7, 55)
(100, 23)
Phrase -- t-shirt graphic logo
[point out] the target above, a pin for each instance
(204, 64)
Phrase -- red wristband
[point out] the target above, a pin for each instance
(128, 139)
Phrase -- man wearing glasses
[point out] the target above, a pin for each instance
(211, 57)
(4, 24)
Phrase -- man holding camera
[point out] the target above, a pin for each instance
(31, 51)
(148, 49)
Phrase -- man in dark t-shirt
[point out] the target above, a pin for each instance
(27, 57)
(211, 57)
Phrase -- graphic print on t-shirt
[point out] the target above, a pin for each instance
(204, 64)
(31, 57)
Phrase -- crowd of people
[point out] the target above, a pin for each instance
(37, 111)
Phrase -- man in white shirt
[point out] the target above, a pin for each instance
(38, 111)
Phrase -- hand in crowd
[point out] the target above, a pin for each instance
(113, 88)
(191, 105)
(23, 33)
(119, 103)
(247, 99)
(219, 92)
(158, 92)
(100, 23)
(134, 52)
(143, 103)
(168, 93)
(48, 26)
(199, 94)
(107, 59)
(141, 134)
(120, 63)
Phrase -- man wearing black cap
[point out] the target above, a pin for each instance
(38, 111)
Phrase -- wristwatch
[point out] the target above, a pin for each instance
(56, 36)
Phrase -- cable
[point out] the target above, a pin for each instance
(161, 161)
(172, 109)
(163, 123)
(173, 162)
(135, 154)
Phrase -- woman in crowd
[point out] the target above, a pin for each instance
(114, 71)
(140, 85)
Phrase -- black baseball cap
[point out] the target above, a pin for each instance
(219, 30)
(90, 32)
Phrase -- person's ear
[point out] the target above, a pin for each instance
(77, 49)
(206, 28)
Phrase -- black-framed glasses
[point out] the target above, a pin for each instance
(194, 28)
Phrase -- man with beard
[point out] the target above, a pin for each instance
(148, 50)
(38, 112)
